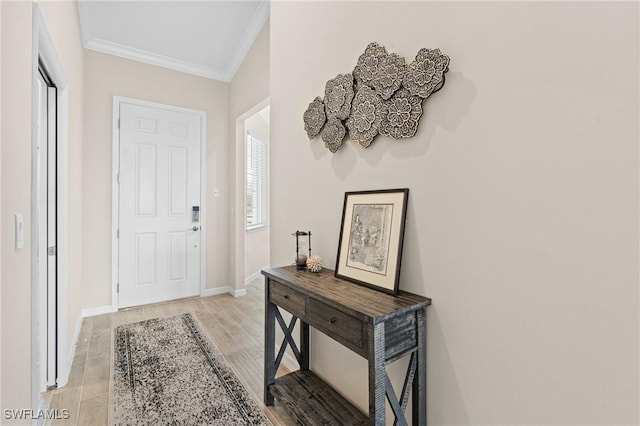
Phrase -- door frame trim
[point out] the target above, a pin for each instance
(43, 49)
(240, 193)
(115, 188)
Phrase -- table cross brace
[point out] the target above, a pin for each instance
(288, 338)
(399, 407)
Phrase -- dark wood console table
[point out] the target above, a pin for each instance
(380, 327)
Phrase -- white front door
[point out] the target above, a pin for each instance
(159, 233)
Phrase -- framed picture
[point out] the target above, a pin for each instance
(371, 236)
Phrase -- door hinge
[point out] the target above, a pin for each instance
(118, 123)
(117, 233)
(52, 251)
(118, 288)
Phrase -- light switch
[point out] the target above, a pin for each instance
(19, 231)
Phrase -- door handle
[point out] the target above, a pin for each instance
(195, 228)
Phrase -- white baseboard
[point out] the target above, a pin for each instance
(255, 275)
(216, 291)
(100, 310)
(251, 277)
(63, 379)
(290, 361)
(222, 290)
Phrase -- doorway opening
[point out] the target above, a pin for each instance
(256, 236)
(251, 219)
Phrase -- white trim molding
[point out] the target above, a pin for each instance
(223, 290)
(44, 50)
(226, 75)
(250, 35)
(290, 361)
(62, 381)
(239, 293)
(99, 310)
(216, 291)
(255, 275)
(134, 54)
(239, 223)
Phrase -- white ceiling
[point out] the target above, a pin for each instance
(205, 38)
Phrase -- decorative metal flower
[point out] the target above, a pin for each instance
(390, 74)
(403, 112)
(426, 74)
(338, 94)
(379, 70)
(366, 116)
(314, 118)
(367, 67)
(333, 134)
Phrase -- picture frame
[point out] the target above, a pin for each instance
(371, 238)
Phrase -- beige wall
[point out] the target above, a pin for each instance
(250, 85)
(16, 198)
(523, 211)
(62, 22)
(1, 234)
(107, 76)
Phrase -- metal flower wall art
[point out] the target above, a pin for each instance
(383, 95)
(314, 118)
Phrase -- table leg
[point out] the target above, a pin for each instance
(304, 345)
(269, 345)
(420, 380)
(377, 374)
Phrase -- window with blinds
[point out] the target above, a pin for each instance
(256, 183)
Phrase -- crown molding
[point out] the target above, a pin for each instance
(126, 52)
(253, 29)
(83, 15)
(250, 35)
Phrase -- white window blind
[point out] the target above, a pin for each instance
(256, 182)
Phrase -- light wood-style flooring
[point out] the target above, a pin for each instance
(236, 325)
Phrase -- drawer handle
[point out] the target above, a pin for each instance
(333, 320)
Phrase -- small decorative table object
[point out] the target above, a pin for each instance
(314, 263)
(301, 246)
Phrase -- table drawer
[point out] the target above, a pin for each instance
(342, 327)
(289, 299)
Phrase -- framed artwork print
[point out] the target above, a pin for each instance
(371, 236)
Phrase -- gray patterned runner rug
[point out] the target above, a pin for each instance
(168, 372)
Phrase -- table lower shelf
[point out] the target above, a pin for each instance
(311, 401)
